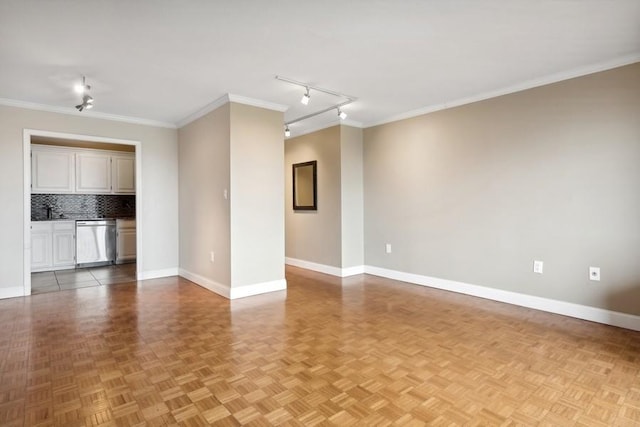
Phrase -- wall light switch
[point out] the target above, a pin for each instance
(594, 274)
(212, 256)
(538, 267)
(387, 248)
(225, 194)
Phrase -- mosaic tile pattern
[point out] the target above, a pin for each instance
(82, 206)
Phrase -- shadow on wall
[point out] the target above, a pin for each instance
(626, 300)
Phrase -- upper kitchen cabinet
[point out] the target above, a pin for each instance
(81, 171)
(52, 170)
(123, 173)
(93, 173)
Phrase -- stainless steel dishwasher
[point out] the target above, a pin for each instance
(95, 242)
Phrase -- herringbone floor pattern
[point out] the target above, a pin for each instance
(358, 351)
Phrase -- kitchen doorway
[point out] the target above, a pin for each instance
(46, 270)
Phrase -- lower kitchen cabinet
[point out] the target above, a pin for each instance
(53, 245)
(41, 246)
(125, 240)
(64, 243)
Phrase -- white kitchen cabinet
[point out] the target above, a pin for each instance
(123, 174)
(41, 246)
(81, 171)
(52, 170)
(125, 240)
(53, 245)
(64, 244)
(93, 173)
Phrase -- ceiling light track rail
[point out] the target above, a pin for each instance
(317, 88)
(317, 113)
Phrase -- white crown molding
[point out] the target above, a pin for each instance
(530, 84)
(553, 78)
(239, 99)
(593, 314)
(349, 122)
(87, 114)
(226, 98)
(332, 123)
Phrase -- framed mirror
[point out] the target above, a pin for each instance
(305, 186)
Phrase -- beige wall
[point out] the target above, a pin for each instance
(157, 212)
(238, 149)
(315, 236)
(204, 212)
(333, 235)
(257, 195)
(351, 196)
(476, 193)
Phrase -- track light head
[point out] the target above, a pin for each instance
(287, 132)
(342, 114)
(306, 98)
(87, 103)
(87, 100)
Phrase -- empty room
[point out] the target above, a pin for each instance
(365, 213)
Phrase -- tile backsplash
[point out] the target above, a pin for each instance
(82, 206)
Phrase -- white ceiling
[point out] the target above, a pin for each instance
(163, 60)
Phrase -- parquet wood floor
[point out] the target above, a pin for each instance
(329, 351)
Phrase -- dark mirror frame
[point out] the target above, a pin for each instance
(314, 206)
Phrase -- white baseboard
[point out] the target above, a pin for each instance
(352, 271)
(326, 269)
(208, 284)
(155, 274)
(234, 292)
(258, 288)
(593, 314)
(12, 292)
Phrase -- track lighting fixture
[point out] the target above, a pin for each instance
(87, 100)
(348, 99)
(306, 97)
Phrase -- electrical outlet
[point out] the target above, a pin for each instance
(538, 267)
(594, 274)
(387, 248)
(225, 194)
(212, 256)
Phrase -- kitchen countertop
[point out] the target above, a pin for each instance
(82, 218)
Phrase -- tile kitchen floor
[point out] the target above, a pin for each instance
(51, 281)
